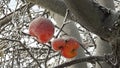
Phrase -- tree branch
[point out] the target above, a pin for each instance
(22, 44)
(94, 17)
(57, 6)
(8, 17)
(89, 14)
(81, 60)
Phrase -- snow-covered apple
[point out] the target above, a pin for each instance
(41, 28)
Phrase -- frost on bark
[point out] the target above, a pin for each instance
(103, 47)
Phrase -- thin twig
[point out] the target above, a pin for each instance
(64, 23)
(31, 55)
(47, 57)
(92, 40)
(8, 17)
(25, 49)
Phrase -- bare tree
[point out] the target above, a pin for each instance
(86, 20)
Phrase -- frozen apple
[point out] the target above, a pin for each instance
(72, 42)
(70, 49)
(69, 52)
(42, 28)
(58, 44)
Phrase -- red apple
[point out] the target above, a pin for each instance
(42, 28)
(58, 44)
(69, 52)
(70, 49)
(72, 42)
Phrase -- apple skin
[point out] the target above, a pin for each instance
(69, 52)
(70, 49)
(41, 28)
(72, 42)
(58, 44)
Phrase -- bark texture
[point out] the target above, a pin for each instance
(103, 47)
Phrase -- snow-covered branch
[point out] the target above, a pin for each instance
(85, 59)
(93, 16)
(89, 14)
